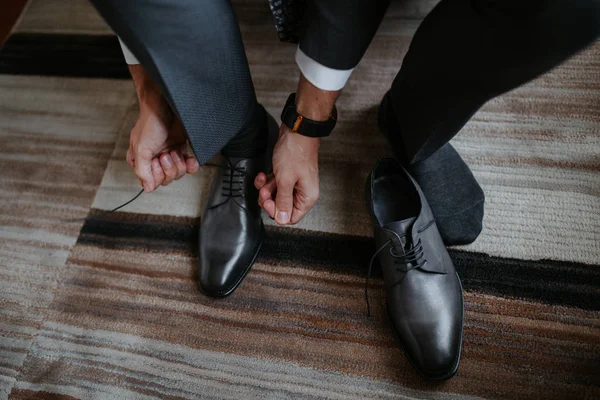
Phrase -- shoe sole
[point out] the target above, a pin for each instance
(240, 279)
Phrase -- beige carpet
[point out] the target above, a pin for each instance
(109, 309)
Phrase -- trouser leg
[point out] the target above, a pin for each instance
(194, 52)
(467, 52)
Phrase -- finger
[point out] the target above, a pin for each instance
(143, 170)
(269, 207)
(191, 165)
(284, 200)
(157, 171)
(260, 180)
(267, 192)
(130, 159)
(297, 215)
(179, 163)
(304, 204)
(168, 167)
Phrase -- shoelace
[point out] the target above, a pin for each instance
(229, 192)
(411, 259)
(102, 214)
(232, 182)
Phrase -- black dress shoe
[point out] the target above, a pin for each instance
(231, 230)
(423, 292)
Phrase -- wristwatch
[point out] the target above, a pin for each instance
(304, 126)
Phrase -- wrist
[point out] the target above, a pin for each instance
(314, 103)
(150, 98)
(310, 109)
(145, 88)
(284, 129)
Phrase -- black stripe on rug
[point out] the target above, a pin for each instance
(89, 56)
(548, 281)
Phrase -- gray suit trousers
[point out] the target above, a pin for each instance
(193, 50)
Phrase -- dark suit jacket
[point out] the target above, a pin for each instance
(336, 33)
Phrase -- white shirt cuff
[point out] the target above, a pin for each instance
(323, 77)
(129, 57)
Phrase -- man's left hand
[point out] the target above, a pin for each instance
(293, 188)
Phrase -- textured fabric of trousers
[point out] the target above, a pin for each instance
(193, 50)
(466, 52)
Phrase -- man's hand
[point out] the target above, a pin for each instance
(157, 145)
(293, 188)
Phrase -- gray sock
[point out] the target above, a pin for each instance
(455, 197)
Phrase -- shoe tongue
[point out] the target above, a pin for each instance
(401, 227)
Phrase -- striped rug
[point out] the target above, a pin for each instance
(109, 308)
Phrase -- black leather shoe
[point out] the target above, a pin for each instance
(231, 230)
(423, 292)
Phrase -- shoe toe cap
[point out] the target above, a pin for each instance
(435, 353)
(223, 265)
(218, 276)
(431, 340)
(215, 286)
(439, 363)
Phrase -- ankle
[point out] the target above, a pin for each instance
(252, 140)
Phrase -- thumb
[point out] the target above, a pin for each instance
(143, 170)
(284, 201)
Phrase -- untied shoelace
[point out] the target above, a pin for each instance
(228, 192)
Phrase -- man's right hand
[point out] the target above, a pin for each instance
(293, 188)
(157, 146)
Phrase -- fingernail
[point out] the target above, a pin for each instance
(175, 156)
(282, 217)
(167, 161)
(195, 163)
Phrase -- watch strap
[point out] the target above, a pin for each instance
(305, 126)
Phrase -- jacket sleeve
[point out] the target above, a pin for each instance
(336, 33)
